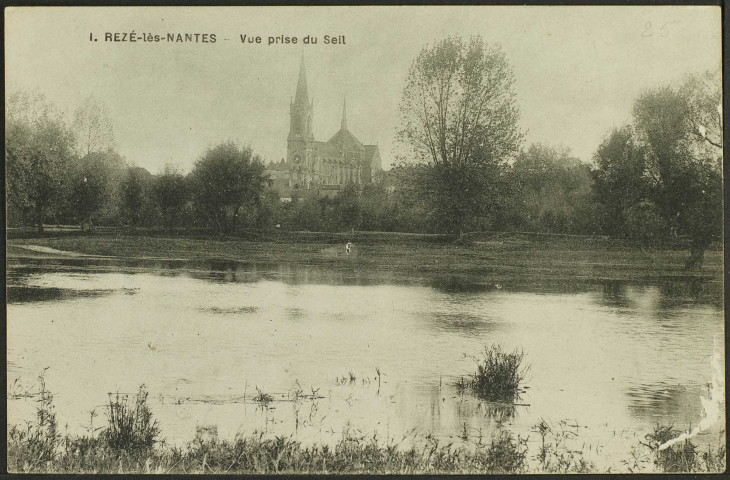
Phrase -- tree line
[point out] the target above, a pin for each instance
(462, 166)
(70, 173)
(657, 177)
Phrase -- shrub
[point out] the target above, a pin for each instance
(131, 426)
(505, 454)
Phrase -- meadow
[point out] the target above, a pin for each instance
(497, 257)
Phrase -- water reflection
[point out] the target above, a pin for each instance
(694, 291)
(464, 324)
(679, 402)
(664, 295)
(28, 294)
(463, 284)
(467, 407)
(614, 294)
(674, 291)
(295, 313)
(229, 311)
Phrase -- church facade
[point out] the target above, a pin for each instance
(314, 167)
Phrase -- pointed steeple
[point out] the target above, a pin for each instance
(300, 111)
(302, 96)
(343, 125)
(344, 139)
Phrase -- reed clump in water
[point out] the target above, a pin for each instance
(499, 376)
(262, 398)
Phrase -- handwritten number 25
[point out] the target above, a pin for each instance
(650, 31)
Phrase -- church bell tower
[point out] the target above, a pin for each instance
(300, 142)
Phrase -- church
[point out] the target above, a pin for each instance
(316, 168)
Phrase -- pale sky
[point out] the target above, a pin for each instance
(577, 69)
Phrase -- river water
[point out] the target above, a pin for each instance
(359, 352)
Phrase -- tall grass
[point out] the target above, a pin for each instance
(129, 444)
(38, 443)
(683, 456)
(677, 458)
(499, 375)
(131, 426)
(506, 454)
(554, 453)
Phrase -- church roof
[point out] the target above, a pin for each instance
(343, 146)
(327, 150)
(369, 151)
(345, 140)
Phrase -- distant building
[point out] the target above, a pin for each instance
(314, 168)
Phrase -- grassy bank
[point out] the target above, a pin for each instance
(498, 258)
(353, 454)
(259, 455)
(130, 443)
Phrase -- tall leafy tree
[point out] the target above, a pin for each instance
(620, 179)
(378, 208)
(704, 218)
(93, 183)
(93, 128)
(345, 209)
(38, 150)
(555, 190)
(704, 109)
(18, 138)
(170, 193)
(459, 116)
(684, 164)
(270, 211)
(665, 173)
(226, 179)
(661, 120)
(135, 193)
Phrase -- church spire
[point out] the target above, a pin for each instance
(302, 96)
(300, 111)
(343, 125)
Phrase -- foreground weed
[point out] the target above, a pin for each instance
(683, 456)
(262, 397)
(715, 461)
(554, 453)
(36, 446)
(506, 454)
(129, 445)
(131, 426)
